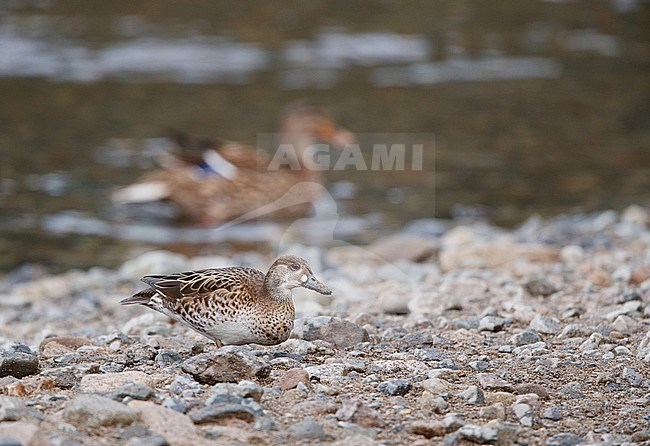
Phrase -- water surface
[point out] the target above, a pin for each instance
(536, 107)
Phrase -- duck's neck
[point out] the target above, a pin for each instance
(299, 143)
(275, 291)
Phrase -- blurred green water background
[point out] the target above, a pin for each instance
(536, 107)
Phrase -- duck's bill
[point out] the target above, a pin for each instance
(314, 285)
(339, 137)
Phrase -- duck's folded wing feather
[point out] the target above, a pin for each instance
(218, 282)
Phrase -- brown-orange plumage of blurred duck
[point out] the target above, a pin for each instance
(218, 181)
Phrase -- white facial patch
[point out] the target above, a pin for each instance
(304, 278)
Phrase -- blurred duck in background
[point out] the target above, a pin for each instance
(213, 181)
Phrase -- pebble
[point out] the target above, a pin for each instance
(524, 338)
(174, 404)
(636, 215)
(165, 358)
(17, 364)
(22, 433)
(572, 390)
(643, 351)
(473, 395)
(242, 390)
(524, 413)
(148, 440)
(545, 324)
(215, 412)
(479, 366)
(133, 391)
(528, 388)
(176, 428)
(428, 429)
(336, 331)
(592, 343)
(96, 411)
(13, 409)
(225, 366)
(555, 413)
(435, 385)
(626, 308)
(572, 254)
(395, 387)
(530, 349)
(496, 411)
(539, 287)
(478, 434)
(565, 439)
(163, 262)
(291, 378)
(624, 324)
(491, 323)
(345, 379)
(453, 421)
(102, 383)
(632, 376)
(308, 429)
(429, 401)
(490, 381)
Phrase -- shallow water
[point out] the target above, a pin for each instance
(535, 107)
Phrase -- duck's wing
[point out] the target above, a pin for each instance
(217, 155)
(201, 153)
(218, 282)
(190, 148)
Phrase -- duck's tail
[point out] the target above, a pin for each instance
(141, 193)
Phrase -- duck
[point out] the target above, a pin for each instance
(215, 181)
(233, 305)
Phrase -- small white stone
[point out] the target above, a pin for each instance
(572, 254)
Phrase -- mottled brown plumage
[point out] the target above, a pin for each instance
(235, 305)
(216, 181)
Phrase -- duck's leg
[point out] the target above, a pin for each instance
(218, 342)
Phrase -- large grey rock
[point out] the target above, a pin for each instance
(90, 411)
(336, 331)
(17, 364)
(225, 365)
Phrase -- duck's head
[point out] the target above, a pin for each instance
(309, 119)
(291, 271)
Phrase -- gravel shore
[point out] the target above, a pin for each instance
(442, 333)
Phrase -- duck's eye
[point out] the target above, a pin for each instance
(294, 266)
